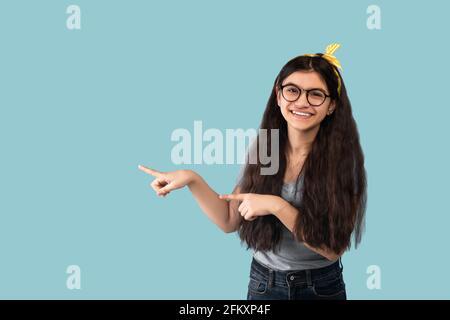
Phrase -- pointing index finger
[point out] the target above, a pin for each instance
(149, 171)
(236, 196)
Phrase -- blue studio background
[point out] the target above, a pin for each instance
(80, 109)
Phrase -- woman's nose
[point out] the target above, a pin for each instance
(302, 100)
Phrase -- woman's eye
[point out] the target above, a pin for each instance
(317, 94)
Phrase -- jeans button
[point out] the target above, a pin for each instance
(292, 277)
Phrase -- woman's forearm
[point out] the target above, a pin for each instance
(215, 208)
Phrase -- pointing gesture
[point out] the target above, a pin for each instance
(236, 196)
(151, 172)
(254, 205)
(165, 182)
(251, 205)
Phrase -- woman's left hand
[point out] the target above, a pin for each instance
(254, 205)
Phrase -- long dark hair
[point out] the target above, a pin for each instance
(334, 192)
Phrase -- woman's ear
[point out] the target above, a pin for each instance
(331, 107)
(278, 96)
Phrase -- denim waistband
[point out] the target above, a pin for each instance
(283, 277)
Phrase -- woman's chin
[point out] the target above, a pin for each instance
(301, 126)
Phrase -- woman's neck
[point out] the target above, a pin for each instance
(300, 142)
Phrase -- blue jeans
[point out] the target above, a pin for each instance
(314, 284)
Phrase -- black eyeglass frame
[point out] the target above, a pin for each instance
(307, 94)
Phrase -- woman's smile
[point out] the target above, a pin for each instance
(301, 115)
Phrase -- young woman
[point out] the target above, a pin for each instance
(300, 220)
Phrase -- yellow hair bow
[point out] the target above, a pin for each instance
(328, 55)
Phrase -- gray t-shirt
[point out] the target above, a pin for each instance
(292, 254)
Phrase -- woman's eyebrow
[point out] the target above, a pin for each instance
(293, 84)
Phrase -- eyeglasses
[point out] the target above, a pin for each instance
(315, 97)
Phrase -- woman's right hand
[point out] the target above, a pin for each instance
(167, 181)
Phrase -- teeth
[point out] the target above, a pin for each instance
(302, 113)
